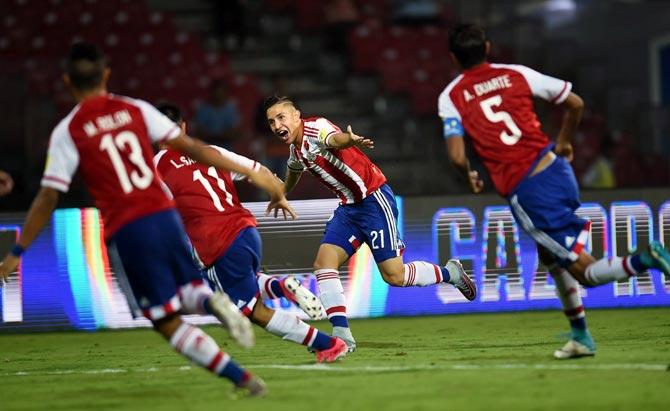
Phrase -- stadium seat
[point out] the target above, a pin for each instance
(366, 42)
(395, 71)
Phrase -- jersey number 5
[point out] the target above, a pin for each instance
(139, 178)
(498, 116)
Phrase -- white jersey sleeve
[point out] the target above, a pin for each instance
(239, 160)
(293, 161)
(166, 189)
(324, 130)
(159, 127)
(545, 87)
(62, 159)
(451, 118)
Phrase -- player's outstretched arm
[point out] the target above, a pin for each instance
(38, 216)
(291, 179)
(456, 152)
(261, 178)
(348, 139)
(266, 180)
(574, 106)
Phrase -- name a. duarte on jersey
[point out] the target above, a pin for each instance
(504, 259)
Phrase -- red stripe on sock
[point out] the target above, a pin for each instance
(438, 274)
(328, 275)
(183, 338)
(217, 359)
(337, 309)
(268, 289)
(308, 337)
(626, 267)
(574, 311)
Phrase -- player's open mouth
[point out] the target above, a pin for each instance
(282, 134)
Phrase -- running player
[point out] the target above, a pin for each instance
(493, 105)
(270, 287)
(226, 241)
(109, 138)
(367, 212)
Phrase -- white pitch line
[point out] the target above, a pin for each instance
(373, 368)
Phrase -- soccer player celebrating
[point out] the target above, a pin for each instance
(367, 212)
(225, 238)
(109, 138)
(493, 104)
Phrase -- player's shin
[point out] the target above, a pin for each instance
(421, 273)
(201, 349)
(607, 270)
(331, 294)
(291, 328)
(567, 290)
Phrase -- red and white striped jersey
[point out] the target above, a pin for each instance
(493, 104)
(109, 138)
(206, 200)
(347, 172)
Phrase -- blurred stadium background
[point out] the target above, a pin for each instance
(375, 64)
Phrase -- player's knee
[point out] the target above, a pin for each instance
(167, 325)
(579, 274)
(261, 314)
(393, 278)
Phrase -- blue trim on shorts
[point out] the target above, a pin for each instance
(373, 221)
(544, 206)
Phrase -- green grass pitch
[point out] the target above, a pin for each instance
(464, 362)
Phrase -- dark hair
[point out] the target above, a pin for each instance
(85, 64)
(274, 100)
(171, 111)
(468, 43)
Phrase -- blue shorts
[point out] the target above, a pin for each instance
(373, 221)
(544, 206)
(235, 271)
(152, 260)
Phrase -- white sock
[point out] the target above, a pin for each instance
(607, 270)
(193, 296)
(421, 273)
(331, 293)
(199, 347)
(567, 290)
(265, 285)
(291, 328)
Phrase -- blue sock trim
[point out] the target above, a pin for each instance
(578, 324)
(276, 288)
(339, 321)
(445, 274)
(322, 341)
(636, 262)
(233, 372)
